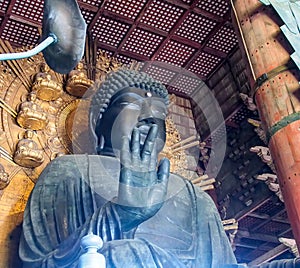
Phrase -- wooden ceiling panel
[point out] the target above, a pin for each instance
(162, 15)
(196, 27)
(29, 9)
(109, 32)
(20, 33)
(88, 15)
(4, 5)
(175, 53)
(204, 64)
(274, 228)
(186, 84)
(224, 40)
(132, 10)
(247, 223)
(216, 7)
(142, 42)
(162, 74)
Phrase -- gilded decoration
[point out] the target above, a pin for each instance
(31, 115)
(27, 153)
(45, 84)
(78, 82)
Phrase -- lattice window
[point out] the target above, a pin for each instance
(161, 74)
(186, 84)
(175, 53)
(19, 33)
(29, 9)
(142, 42)
(162, 15)
(219, 134)
(239, 116)
(4, 5)
(204, 64)
(126, 8)
(217, 7)
(87, 15)
(195, 27)
(224, 40)
(109, 31)
(282, 216)
(288, 234)
(274, 228)
(269, 208)
(249, 222)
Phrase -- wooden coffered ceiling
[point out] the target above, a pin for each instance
(195, 35)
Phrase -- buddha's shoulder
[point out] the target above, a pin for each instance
(72, 166)
(66, 162)
(74, 159)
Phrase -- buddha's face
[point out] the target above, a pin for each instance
(128, 109)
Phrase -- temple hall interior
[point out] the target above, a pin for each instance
(219, 60)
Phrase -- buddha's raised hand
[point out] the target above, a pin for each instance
(143, 185)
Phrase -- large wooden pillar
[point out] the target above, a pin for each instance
(277, 94)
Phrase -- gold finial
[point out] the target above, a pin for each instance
(27, 153)
(31, 115)
(78, 83)
(45, 86)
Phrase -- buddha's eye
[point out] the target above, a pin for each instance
(130, 105)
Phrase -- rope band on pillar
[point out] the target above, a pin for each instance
(266, 76)
(282, 124)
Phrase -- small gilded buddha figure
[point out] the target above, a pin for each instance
(27, 153)
(4, 178)
(45, 86)
(78, 83)
(31, 115)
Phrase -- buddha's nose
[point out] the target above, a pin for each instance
(146, 114)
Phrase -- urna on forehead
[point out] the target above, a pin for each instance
(134, 93)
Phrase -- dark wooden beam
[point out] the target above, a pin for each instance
(256, 236)
(134, 25)
(98, 14)
(26, 21)
(173, 30)
(204, 43)
(270, 255)
(257, 227)
(87, 6)
(243, 214)
(7, 15)
(215, 52)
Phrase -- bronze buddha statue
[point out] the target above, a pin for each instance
(146, 216)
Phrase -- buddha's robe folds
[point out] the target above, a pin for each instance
(74, 196)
